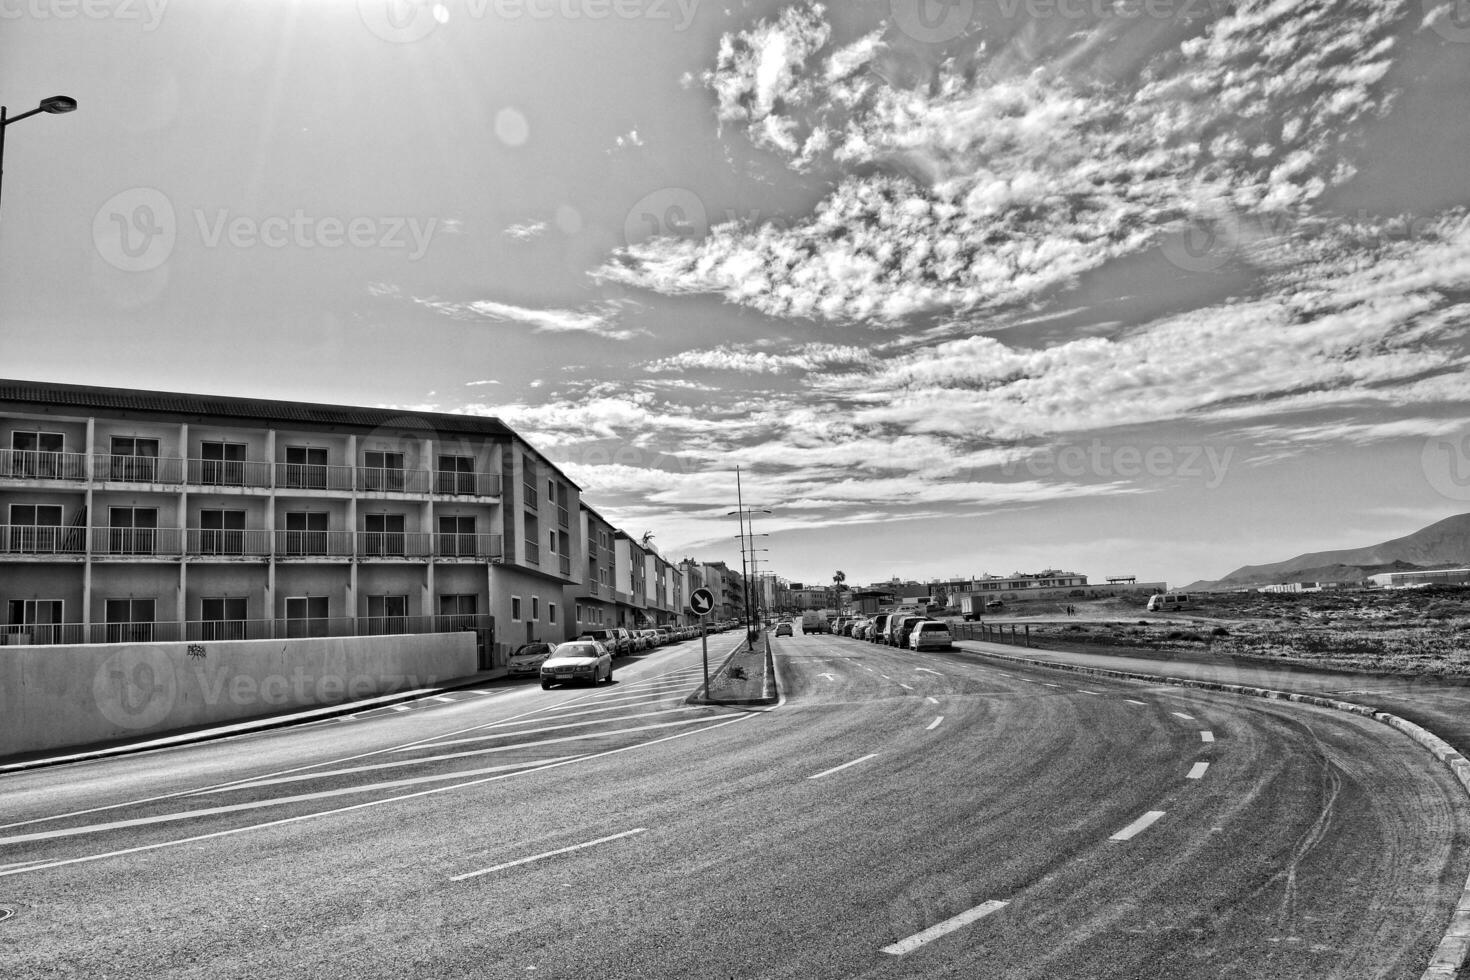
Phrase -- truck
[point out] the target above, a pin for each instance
(972, 607)
(813, 622)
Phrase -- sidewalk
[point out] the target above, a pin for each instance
(37, 760)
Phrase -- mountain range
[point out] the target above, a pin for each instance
(1442, 544)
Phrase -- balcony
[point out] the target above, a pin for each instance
(203, 631)
(238, 543)
(107, 467)
(22, 464)
(229, 473)
(467, 484)
(31, 539)
(394, 544)
(137, 542)
(476, 546)
(314, 476)
(533, 553)
(563, 518)
(532, 499)
(314, 544)
(593, 586)
(393, 480)
(566, 565)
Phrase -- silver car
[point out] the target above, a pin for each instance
(579, 661)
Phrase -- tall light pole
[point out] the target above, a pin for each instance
(744, 513)
(55, 104)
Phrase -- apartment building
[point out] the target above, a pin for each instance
(138, 516)
(593, 601)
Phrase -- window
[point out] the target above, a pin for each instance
(131, 530)
(35, 528)
(383, 470)
(457, 535)
(387, 614)
(41, 618)
(307, 615)
(535, 609)
(223, 618)
(456, 475)
(515, 608)
(551, 541)
(551, 613)
(384, 534)
(221, 532)
(36, 453)
(222, 464)
(458, 611)
(129, 620)
(306, 466)
(134, 460)
(306, 533)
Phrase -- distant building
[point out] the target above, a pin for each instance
(1053, 584)
(1430, 576)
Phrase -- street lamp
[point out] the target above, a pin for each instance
(54, 104)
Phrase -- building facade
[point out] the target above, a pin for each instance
(138, 516)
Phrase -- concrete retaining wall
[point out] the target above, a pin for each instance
(54, 697)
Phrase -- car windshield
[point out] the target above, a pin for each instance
(575, 650)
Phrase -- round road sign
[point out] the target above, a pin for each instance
(701, 602)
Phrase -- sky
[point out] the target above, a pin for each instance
(1123, 287)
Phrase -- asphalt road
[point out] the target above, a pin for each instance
(897, 815)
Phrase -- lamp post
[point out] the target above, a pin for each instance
(744, 513)
(54, 104)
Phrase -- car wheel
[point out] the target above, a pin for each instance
(609, 673)
(545, 686)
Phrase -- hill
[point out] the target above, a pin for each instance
(1442, 544)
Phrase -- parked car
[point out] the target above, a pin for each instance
(617, 640)
(899, 627)
(783, 629)
(931, 634)
(527, 658)
(880, 627)
(584, 661)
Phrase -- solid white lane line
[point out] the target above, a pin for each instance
(1050, 684)
(934, 724)
(904, 686)
(261, 804)
(1081, 691)
(1206, 736)
(372, 803)
(944, 928)
(399, 707)
(1180, 714)
(1198, 771)
(538, 857)
(1138, 826)
(552, 728)
(928, 671)
(828, 772)
(1140, 703)
(932, 700)
(445, 700)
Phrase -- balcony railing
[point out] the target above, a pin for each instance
(467, 484)
(566, 564)
(394, 480)
(562, 517)
(532, 498)
(468, 546)
(229, 473)
(592, 586)
(26, 464)
(394, 544)
(142, 542)
(212, 541)
(203, 631)
(31, 539)
(138, 469)
(314, 476)
(308, 544)
(533, 553)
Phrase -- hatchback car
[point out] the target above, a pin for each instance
(585, 661)
(930, 635)
(528, 658)
(783, 629)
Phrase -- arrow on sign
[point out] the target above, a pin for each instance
(701, 602)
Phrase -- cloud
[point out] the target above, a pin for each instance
(602, 320)
(526, 230)
(982, 187)
(809, 357)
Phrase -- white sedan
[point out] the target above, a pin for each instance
(930, 635)
(585, 661)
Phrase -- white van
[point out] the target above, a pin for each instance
(1168, 600)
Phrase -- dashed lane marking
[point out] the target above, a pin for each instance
(1081, 691)
(904, 686)
(1206, 736)
(1198, 772)
(538, 857)
(1138, 826)
(928, 671)
(1180, 714)
(1143, 704)
(845, 765)
(934, 724)
(944, 928)
(932, 700)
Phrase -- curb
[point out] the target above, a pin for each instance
(251, 725)
(1454, 948)
(770, 694)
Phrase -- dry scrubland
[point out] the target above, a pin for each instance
(1409, 631)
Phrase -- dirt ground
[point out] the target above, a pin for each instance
(1411, 631)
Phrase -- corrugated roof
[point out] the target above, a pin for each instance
(183, 405)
